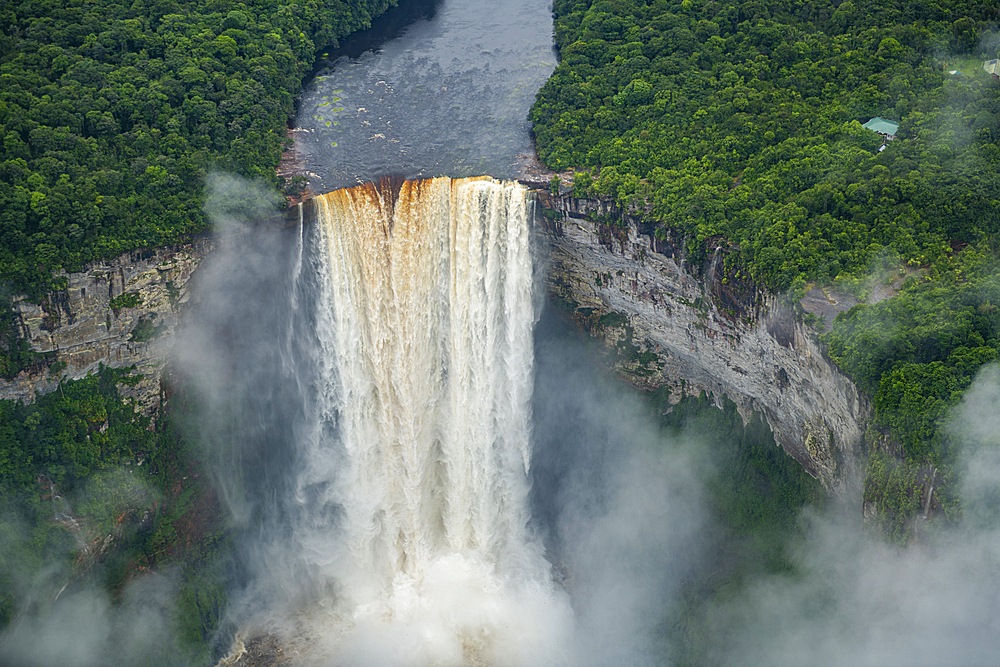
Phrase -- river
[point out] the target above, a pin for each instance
(445, 94)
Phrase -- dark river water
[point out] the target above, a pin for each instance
(434, 89)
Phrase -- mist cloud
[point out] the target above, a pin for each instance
(854, 600)
(232, 201)
(621, 506)
(82, 628)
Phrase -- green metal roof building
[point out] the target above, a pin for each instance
(884, 127)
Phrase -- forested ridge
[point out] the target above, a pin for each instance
(745, 121)
(112, 112)
(741, 126)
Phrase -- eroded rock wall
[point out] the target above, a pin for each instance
(666, 322)
(694, 329)
(82, 329)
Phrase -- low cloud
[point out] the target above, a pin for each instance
(621, 507)
(232, 201)
(82, 628)
(853, 600)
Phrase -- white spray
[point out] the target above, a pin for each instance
(422, 439)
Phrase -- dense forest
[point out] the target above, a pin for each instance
(741, 126)
(744, 122)
(112, 114)
(738, 124)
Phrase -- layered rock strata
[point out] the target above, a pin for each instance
(702, 328)
(119, 313)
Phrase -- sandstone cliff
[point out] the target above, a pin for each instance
(122, 312)
(698, 328)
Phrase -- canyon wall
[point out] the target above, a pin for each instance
(699, 328)
(119, 313)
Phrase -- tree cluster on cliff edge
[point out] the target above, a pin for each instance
(743, 122)
(112, 112)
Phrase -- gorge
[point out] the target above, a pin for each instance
(405, 404)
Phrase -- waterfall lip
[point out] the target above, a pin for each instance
(390, 185)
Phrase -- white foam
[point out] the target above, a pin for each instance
(426, 358)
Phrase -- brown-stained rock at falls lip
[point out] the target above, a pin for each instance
(389, 187)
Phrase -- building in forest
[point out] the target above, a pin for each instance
(993, 68)
(886, 128)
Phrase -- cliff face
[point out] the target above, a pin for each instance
(119, 313)
(696, 329)
(666, 323)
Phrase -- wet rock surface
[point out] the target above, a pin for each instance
(259, 650)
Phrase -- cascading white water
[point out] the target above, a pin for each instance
(426, 354)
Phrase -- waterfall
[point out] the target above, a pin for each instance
(421, 444)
